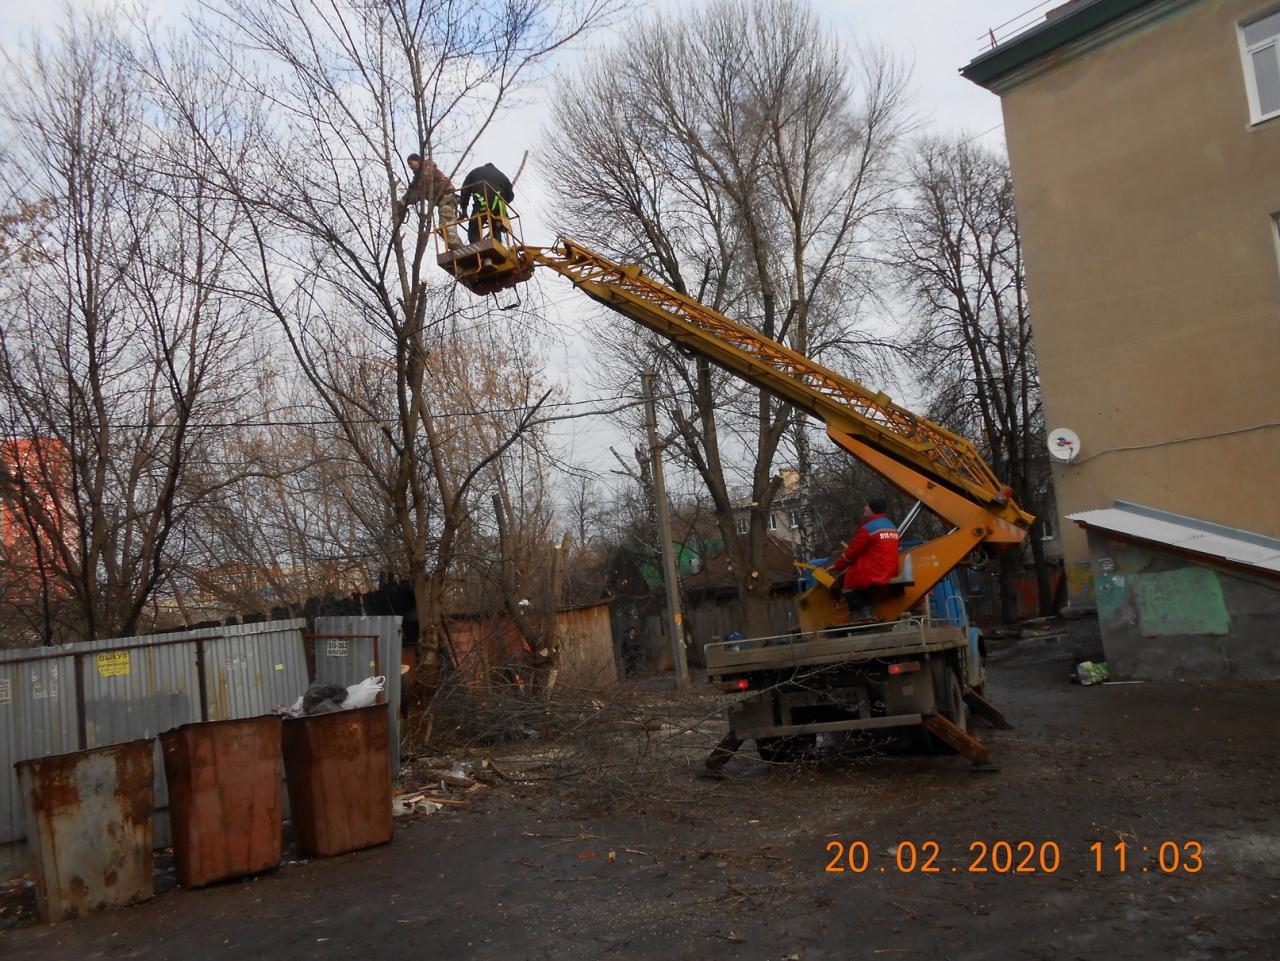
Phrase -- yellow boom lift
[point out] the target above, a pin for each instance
(924, 460)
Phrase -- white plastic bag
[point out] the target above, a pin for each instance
(365, 693)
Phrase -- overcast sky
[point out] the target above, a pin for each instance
(934, 37)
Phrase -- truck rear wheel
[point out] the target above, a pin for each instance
(785, 750)
(956, 711)
(951, 705)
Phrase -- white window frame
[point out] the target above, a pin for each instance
(1246, 55)
(773, 521)
(1275, 233)
(793, 520)
(742, 524)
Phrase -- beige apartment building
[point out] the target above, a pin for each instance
(1144, 139)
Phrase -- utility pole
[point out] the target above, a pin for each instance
(675, 621)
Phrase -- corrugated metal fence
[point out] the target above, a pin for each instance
(76, 696)
(350, 648)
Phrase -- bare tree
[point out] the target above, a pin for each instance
(959, 257)
(301, 529)
(332, 94)
(119, 351)
(584, 514)
(742, 154)
(531, 565)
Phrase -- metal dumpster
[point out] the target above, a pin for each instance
(89, 827)
(226, 801)
(339, 777)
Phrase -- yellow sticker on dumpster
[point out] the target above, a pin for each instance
(113, 664)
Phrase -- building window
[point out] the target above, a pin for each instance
(742, 523)
(1261, 43)
(773, 521)
(793, 520)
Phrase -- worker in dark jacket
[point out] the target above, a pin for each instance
(430, 184)
(631, 650)
(871, 559)
(491, 191)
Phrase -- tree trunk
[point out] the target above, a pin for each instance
(552, 614)
(755, 610)
(1010, 568)
(804, 471)
(1043, 587)
(428, 601)
(753, 581)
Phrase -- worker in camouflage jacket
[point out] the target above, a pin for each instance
(431, 185)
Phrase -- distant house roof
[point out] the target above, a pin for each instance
(716, 576)
(1186, 534)
(1062, 25)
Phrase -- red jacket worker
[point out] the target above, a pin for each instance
(870, 559)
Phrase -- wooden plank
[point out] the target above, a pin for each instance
(723, 751)
(970, 747)
(985, 709)
(447, 801)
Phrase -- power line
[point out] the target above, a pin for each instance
(983, 134)
(1177, 440)
(605, 405)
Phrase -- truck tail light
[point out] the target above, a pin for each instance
(904, 667)
(741, 684)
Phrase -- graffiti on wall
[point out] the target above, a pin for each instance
(1180, 602)
(1176, 603)
(1080, 588)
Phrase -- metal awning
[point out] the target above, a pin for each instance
(1188, 534)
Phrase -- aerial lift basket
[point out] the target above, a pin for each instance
(497, 261)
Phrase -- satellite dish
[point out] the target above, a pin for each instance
(1064, 445)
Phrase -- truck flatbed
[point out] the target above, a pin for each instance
(916, 635)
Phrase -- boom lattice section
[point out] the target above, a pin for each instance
(841, 403)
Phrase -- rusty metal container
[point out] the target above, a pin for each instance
(226, 803)
(89, 827)
(339, 775)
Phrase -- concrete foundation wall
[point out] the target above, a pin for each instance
(1165, 616)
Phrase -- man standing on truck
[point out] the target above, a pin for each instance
(871, 559)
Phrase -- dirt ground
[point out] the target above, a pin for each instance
(736, 868)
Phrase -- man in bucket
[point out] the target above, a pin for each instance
(871, 559)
